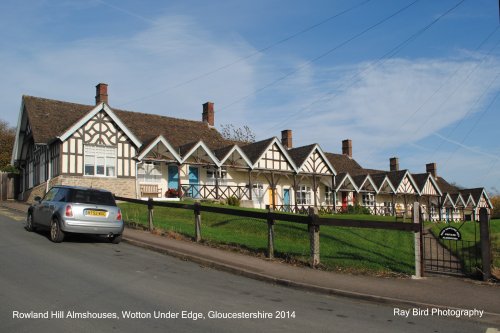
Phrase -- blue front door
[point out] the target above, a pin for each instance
(286, 199)
(173, 177)
(193, 182)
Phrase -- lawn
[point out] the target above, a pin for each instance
(352, 249)
(470, 231)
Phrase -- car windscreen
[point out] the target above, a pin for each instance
(92, 197)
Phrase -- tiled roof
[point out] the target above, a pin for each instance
(300, 154)
(184, 149)
(475, 192)
(256, 149)
(374, 171)
(378, 179)
(222, 152)
(396, 177)
(50, 118)
(343, 163)
(420, 179)
(445, 186)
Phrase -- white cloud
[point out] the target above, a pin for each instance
(145, 71)
(393, 104)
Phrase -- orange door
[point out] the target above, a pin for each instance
(272, 201)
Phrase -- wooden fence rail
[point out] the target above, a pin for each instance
(312, 220)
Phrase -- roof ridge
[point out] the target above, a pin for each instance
(113, 108)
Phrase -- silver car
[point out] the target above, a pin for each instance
(71, 209)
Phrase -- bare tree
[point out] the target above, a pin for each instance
(243, 134)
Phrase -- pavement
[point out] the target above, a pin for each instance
(430, 292)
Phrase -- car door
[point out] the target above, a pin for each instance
(43, 212)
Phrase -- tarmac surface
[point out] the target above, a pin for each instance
(429, 292)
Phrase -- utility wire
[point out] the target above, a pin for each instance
(460, 85)
(338, 46)
(483, 94)
(380, 61)
(478, 119)
(259, 51)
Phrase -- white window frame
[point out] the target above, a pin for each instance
(368, 199)
(257, 192)
(210, 180)
(328, 195)
(96, 153)
(149, 172)
(303, 195)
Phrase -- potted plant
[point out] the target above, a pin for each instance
(172, 193)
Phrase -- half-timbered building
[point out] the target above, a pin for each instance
(144, 156)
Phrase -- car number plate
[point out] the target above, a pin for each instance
(99, 213)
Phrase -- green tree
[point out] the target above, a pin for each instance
(7, 136)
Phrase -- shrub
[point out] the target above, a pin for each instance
(233, 201)
(357, 209)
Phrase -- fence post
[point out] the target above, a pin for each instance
(197, 222)
(270, 233)
(484, 235)
(314, 236)
(418, 242)
(150, 214)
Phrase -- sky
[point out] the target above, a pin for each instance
(413, 79)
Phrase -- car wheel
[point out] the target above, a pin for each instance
(30, 226)
(56, 234)
(116, 239)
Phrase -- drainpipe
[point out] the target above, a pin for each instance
(136, 182)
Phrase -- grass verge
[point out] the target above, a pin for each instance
(347, 249)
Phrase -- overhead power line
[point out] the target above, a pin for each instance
(239, 60)
(333, 49)
(380, 61)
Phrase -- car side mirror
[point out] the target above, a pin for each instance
(38, 199)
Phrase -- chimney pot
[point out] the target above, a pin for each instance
(432, 169)
(101, 94)
(286, 138)
(394, 164)
(208, 115)
(347, 147)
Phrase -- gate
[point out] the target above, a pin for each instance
(456, 257)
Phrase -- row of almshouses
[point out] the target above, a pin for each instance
(140, 155)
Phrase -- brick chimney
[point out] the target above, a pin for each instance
(101, 93)
(432, 169)
(208, 115)
(394, 164)
(347, 147)
(286, 139)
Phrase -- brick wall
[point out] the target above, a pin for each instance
(124, 187)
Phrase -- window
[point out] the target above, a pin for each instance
(42, 167)
(51, 194)
(257, 191)
(92, 197)
(212, 173)
(304, 195)
(100, 161)
(328, 195)
(30, 175)
(368, 199)
(62, 195)
(149, 172)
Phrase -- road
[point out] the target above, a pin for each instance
(88, 276)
